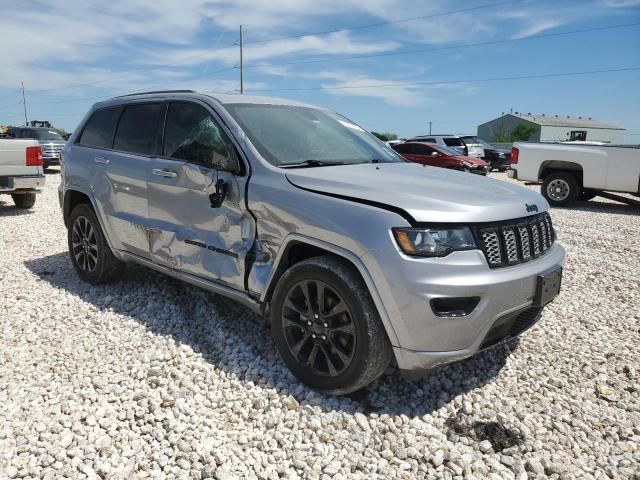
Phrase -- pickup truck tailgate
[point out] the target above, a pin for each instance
(13, 158)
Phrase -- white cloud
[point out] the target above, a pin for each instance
(537, 26)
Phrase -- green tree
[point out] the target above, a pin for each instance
(521, 133)
(386, 136)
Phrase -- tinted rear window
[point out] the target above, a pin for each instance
(99, 129)
(137, 129)
(453, 142)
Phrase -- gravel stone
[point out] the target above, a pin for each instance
(152, 378)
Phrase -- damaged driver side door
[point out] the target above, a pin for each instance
(198, 219)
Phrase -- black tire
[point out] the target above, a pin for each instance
(567, 190)
(24, 200)
(101, 265)
(587, 194)
(370, 351)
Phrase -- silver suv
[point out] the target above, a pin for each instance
(356, 256)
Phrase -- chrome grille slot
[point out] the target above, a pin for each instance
(509, 243)
(492, 248)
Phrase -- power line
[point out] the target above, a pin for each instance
(326, 32)
(390, 22)
(450, 82)
(434, 49)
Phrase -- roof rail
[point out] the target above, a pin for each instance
(155, 91)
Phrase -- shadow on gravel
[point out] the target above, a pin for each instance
(234, 339)
(596, 206)
(8, 209)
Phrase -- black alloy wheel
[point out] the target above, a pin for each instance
(84, 244)
(319, 328)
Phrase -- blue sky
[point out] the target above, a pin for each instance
(73, 53)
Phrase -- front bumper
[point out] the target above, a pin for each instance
(426, 340)
(19, 183)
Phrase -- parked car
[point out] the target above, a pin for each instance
(355, 254)
(569, 172)
(444, 157)
(498, 158)
(21, 173)
(474, 147)
(51, 142)
(451, 141)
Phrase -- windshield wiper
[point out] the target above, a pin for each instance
(310, 163)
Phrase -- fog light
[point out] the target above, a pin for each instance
(454, 307)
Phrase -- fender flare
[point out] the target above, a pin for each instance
(349, 256)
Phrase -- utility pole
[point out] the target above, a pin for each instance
(241, 65)
(430, 127)
(24, 105)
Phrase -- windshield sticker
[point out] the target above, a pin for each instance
(351, 125)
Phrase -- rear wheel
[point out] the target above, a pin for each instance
(90, 253)
(560, 188)
(327, 328)
(24, 200)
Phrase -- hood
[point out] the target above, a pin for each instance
(427, 194)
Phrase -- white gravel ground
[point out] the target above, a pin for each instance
(149, 377)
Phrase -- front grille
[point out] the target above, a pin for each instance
(510, 326)
(51, 149)
(517, 241)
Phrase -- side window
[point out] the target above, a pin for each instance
(99, 130)
(137, 130)
(402, 148)
(423, 150)
(191, 134)
(429, 140)
(453, 142)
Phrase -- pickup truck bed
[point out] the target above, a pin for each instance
(21, 171)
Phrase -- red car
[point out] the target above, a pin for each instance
(438, 156)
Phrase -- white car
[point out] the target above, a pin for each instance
(569, 172)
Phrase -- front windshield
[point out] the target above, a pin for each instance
(44, 135)
(290, 135)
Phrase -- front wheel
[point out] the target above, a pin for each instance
(90, 253)
(327, 328)
(560, 188)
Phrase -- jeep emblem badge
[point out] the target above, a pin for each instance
(531, 208)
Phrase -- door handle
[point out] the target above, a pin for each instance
(164, 172)
(101, 160)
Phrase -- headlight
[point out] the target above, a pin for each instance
(433, 242)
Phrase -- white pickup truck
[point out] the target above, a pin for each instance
(21, 170)
(572, 171)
